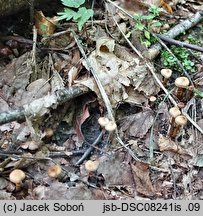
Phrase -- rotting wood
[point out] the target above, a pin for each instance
(174, 32)
(40, 106)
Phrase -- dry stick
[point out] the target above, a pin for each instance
(180, 43)
(174, 32)
(103, 94)
(155, 76)
(44, 103)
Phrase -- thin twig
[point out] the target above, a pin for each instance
(180, 43)
(97, 80)
(89, 150)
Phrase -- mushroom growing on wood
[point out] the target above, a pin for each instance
(166, 73)
(181, 84)
(17, 176)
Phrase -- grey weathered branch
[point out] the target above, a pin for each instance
(39, 107)
(174, 32)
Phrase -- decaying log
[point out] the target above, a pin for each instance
(8, 7)
(174, 32)
(41, 106)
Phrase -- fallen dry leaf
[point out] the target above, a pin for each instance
(166, 144)
(142, 179)
(119, 75)
(138, 124)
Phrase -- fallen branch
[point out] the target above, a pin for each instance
(39, 107)
(174, 32)
(180, 43)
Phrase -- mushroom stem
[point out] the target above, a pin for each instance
(180, 121)
(181, 85)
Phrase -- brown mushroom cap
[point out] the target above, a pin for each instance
(16, 176)
(103, 121)
(182, 82)
(48, 132)
(166, 73)
(54, 171)
(111, 126)
(174, 112)
(181, 120)
(91, 166)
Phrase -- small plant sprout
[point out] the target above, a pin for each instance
(166, 73)
(103, 121)
(174, 112)
(181, 84)
(91, 166)
(54, 171)
(17, 176)
(111, 126)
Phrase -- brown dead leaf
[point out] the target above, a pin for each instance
(166, 144)
(115, 171)
(142, 179)
(137, 125)
(35, 90)
(119, 75)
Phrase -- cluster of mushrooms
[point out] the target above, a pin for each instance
(183, 93)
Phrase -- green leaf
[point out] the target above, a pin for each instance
(198, 92)
(148, 17)
(67, 14)
(139, 26)
(82, 16)
(157, 24)
(147, 35)
(73, 3)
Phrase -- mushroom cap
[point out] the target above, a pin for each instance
(16, 176)
(91, 166)
(48, 132)
(166, 72)
(111, 126)
(152, 99)
(174, 112)
(103, 121)
(182, 82)
(54, 171)
(181, 120)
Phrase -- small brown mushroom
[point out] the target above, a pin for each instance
(180, 121)
(91, 166)
(54, 171)
(111, 126)
(166, 73)
(103, 121)
(174, 112)
(17, 176)
(48, 132)
(181, 84)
